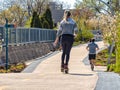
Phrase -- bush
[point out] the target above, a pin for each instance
(28, 22)
(84, 35)
(45, 25)
(14, 68)
(76, 43)
(102, 58)
(87, 35)
(111, 67)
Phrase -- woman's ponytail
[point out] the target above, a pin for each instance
(66, 15)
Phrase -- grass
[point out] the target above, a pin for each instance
(13, 68)
(102, 58)
(78, 43)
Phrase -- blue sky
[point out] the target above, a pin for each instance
(1, 4)
(1, 1)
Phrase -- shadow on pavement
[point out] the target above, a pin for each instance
(80, 74)
(99, 71)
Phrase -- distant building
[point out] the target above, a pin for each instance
(57, 12)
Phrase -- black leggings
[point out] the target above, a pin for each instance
(67, 42)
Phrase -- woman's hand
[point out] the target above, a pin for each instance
(54, 44)
(56, 41)
(75, 35)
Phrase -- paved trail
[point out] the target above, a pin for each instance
(47, 75)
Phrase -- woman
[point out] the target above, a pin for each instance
(67, 30)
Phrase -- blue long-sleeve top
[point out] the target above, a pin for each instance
(67, 27)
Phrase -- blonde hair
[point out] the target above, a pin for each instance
(66, 15)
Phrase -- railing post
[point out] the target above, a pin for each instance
(29, 36)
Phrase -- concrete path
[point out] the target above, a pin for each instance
(47, 75)
(108, 81)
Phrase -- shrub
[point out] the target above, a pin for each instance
(13, 68)
(111, 67)
(84, 35)
(45, 25)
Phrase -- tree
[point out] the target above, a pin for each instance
(86, 11)
(115, 4)
(18, 14)
(33, 19)
(4, 14)
(45, 20)
(45, 24)
(81, 16)
(48, 17)
(37, 5)
(30, 5)
(94, 5)
(15, 14)
(21, 10)
(35, 22)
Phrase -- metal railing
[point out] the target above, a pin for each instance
(28, 35)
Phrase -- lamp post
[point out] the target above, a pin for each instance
(6, 26)
(6, 39)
